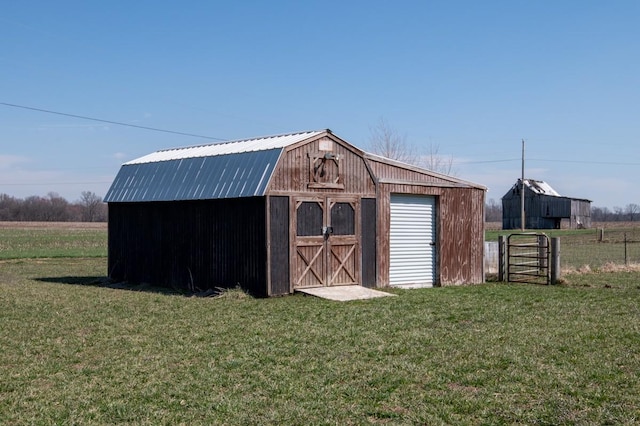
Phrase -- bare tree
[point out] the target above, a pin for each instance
(493, 211)
(437, 162)
(633, 210)
(90, 204)
(57, 208)
(618, 213)
(386, 141)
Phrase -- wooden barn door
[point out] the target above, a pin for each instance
(327, 251)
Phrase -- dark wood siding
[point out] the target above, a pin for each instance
(279, 245)
(368, 227)
(544, 211)
(191, 245)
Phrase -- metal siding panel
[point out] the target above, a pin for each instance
(412, 237)
(190, 244)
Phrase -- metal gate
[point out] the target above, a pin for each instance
(528, 258)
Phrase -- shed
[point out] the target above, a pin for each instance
(544, 208)
(279, 213)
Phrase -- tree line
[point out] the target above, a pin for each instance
(629, 213)
(90, 208)
(53, 208)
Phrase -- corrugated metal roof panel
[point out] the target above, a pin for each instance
(233, 147)
(244, 174)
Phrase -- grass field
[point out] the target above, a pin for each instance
(44, 240)
(77, 352)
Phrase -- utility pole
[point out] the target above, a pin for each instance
(522, 224)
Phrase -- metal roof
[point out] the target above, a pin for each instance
(541, 187)
(231, 147)
(233, 169)
(200, 178)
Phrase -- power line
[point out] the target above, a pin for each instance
(486, 161)
(110, 121)
(608, 163)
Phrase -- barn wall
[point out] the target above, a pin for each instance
(460, 232)
(368, 241)
(279, 245)
(511, 209)
(292, 175)
(190, 244)
(383, 170)
(544, 211)
(580, 214)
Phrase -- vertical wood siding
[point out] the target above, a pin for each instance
(369, 238)
(544, 211)
(190, 244)
(292, 173)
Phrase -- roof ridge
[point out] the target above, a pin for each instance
(257, 138)
(231, 147)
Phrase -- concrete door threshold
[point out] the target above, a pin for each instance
(344, 293)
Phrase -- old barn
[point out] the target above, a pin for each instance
(544, 208)
(280, 213)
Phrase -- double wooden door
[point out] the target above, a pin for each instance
(326, 242)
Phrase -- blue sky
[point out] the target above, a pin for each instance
(472, 78)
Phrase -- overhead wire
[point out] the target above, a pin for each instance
(83, 117)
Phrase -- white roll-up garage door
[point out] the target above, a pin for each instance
(412, 241)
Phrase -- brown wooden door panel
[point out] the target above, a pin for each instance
(309, 265)
(343, 264)
(331, 257)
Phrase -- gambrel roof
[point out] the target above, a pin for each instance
(232, 169)
(241, 168)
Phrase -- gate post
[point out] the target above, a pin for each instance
(555, 260)
(502, 256)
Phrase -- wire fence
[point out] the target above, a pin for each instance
(585, 249)
(600, 248)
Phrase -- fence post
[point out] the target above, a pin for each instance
(555, 260)
(502, 254)
(543, 254)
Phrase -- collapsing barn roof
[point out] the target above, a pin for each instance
(538, 187)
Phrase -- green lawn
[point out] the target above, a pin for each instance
(17, 242)
(79, 353)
